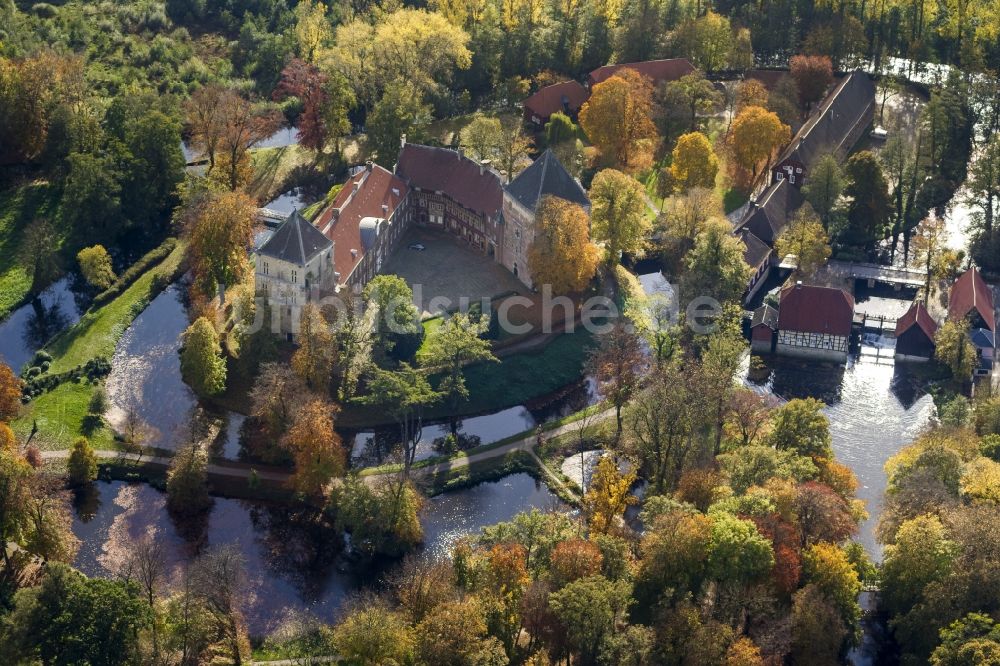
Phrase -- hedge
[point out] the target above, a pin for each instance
(135, 271)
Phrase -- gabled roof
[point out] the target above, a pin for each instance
(757, 251)
(982, 338)
(917, 316)
(970, 293)
(768, 216)
(851, 103)
(557, 97)
(444, 170)
(657, 70)
(812, 309)
(765, 315)
(546, 177)
(372, 192)
(295, 241)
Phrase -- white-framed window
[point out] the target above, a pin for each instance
(781, 175)
(295, 277)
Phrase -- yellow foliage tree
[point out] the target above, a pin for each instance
(312, 29)
(806, 239)
(618, 213)
(694, 163)
(617, 119)
(755, 135)
(608, 496)
(953, 349)
(313, 360)
(561, 254)
(316, 447)
(981, 481)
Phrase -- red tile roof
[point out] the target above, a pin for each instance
(917, 315)
(375, 188)
(971, 293)
(657, 70)
(811, 309)
(445, 170)
(549, 99)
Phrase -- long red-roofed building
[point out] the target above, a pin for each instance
(566, 97)
(972, 299)
(657, 71)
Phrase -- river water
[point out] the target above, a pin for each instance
(35, 323)
(291, 564)
(875, 407)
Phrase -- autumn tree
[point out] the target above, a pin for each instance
(82, 464)
(589, 609)
(817, 631)
(10, 393)
(748, 419)
(954, 350)
(456, 343)
(562, 254)
(749, 92)
(693, 163)
(754, 137)
(709, 40)
(617, 367)
(316, 448)
(312, 29)
(813, 74)
(382, 517)
(806, 239)
(95, 265)
(321, 117)
(608, 496)
(618, 214)
(221, 234)
(205, 121)
(313, 360)
(187, 481)
(371, 632)
(202, 364)
(618, 119)
(276, 396)
(682, 218)
(513, 147)
(574, 559)
(929, 245)
(238, 125)
(824, 186)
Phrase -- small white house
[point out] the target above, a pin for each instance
(294, 266)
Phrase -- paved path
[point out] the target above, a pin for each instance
(231, 469)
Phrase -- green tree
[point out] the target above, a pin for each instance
(400, 111)
(684, 100)
(817, 631)
(202, 364)
(715, 265)
(152, 170)
(82, 464)
(824, 187)
(709, 40)
(482, 137)
(38, 254)
(456, 343)
(801, 426)
(588, 610)
(973, 640)
(381, 517)
(922, 554)
(618, 214)
(737, 551)
(15, 498)
(91, 204)
(372, 633)
(559, 129)
(404, 393)
(95, 264)
(398, 331)
(869, 207)
(70, 619)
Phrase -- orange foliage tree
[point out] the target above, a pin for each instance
(561, 254)
(316, 447)
(618, 119)
(756, 134)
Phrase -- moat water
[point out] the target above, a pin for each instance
(33, 324)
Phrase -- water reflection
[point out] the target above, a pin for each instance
(291, 557)
(875, 407)
(30, 326)
(146, 376)
(375, 446)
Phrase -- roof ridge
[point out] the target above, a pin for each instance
(541, 179)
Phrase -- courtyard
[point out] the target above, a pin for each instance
(445, 271)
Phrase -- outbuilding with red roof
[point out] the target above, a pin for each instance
(566, 97)
(814, 322)
(915, 334)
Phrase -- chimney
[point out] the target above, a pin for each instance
(484, 165)
(385, 209)
(402, 140)
(369, 165)
(798, 283)
(354, 253)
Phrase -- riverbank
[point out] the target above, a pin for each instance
(19, 207)
(61, 415)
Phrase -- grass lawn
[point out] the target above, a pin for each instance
(60, 413)
(732, 199)
(495, 386)
(19, 206)
(271, 168)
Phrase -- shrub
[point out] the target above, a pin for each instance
(136, 270)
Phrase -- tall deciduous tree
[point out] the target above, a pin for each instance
(869, 208)
(929, 247)
(694, 163)
(709, 40)
(684, 100)
(316, 448)
(801, 426)
(404, 393)
(618, 214)
(456, 343)
(313, 360)
(401, 110)
(187, 481)
(806, 239)
(608, 495)
(715, 265)
(813, 74)
(754, 137)
(221, 234)
(618, 119)
(561, 254)
(824, 187)
(588, 610)
(954, 350)
(307, 83)
(617, 366)
(202, 364)
(82, 464)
